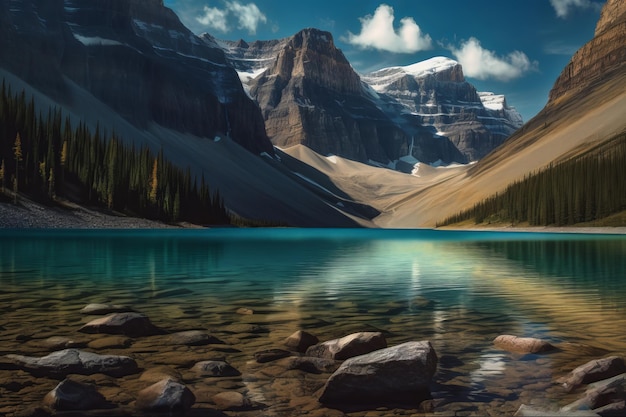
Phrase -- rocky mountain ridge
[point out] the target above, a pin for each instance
(600, 57)
(426, 112)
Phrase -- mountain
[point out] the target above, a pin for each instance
(585, 112)
(136, 57)
(131, 66)
(394, 117)
(435, 93)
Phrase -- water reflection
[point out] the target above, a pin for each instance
(458, 290)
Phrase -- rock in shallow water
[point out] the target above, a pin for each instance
(522, 344)
(349, 346)
(128, 324)
(215, 369)
(399, 374)
(102, 309)
(592, 371)
(301, 341)
(232, 400)
(72, 395)
(194, 338)
(73, 361)
(165, 396)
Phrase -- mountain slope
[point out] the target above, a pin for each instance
(132, 67)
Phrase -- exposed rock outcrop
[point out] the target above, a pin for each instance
(600, 57)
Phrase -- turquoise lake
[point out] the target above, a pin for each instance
(457, 289)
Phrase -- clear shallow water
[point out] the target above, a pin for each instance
(457, 289)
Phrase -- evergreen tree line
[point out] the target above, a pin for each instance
(46, 158)
(582, 189)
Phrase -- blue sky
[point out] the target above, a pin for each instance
(516, 48)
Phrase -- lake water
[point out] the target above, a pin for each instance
(457, 289)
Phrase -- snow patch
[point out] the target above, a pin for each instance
(96, 41)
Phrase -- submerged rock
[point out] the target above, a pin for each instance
(73, 361)
(522, 344)
(194, 338)
(97, 309)
(72, 395)
(232, 400)
(271, 355)
(165, 396)
(301, 341)
(526, 411)
(349, 346)
(215, 369)
(128, 324)
(592, 371)
(399, 374)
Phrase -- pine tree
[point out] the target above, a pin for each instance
(2, 170)
(17, 152)
(154, 182)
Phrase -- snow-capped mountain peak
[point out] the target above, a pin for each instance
(380, 80)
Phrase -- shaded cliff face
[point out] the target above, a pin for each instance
(135, 56)
(435, 94)
(599, 58)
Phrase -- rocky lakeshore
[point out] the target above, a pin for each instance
(111, 359)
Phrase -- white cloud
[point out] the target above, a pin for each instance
(214, 18)
(248, 16)
(564, 7)
(377, 32)
(482, 63)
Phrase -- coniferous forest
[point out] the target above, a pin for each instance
(582, 189)
(46, 158)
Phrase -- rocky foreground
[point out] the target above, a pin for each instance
(118, 362)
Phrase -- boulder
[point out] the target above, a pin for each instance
(245, 311)
(97, 309)
(349, 346)
(522, 344)
(609, 394)
(73, 361)
(194, 338)
(215, 369)
(159, 373)
(271, 355)
(72, 395)
(128, 324)
(593, 371)
(301, 341)
(165, 396)
(399, 374)
(231, 400)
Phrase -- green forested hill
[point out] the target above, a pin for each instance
(45, 157)
(582, 189)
